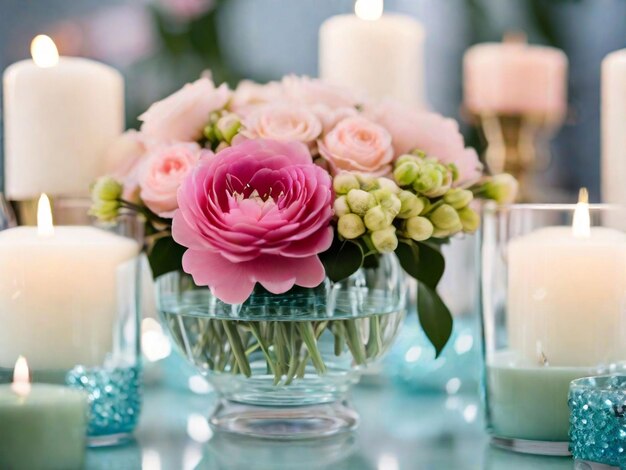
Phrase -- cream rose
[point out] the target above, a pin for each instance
(163, 172)
(358, 144)
(283, 122)
(183, 115)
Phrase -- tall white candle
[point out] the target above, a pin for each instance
(614, 127)
(59, 291)
(59, 115)
(381, 55)
(567, 295)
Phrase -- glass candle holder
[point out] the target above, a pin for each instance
(598, 419)
(69, 303)
(553, 292)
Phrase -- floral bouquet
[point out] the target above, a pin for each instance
(284, 186)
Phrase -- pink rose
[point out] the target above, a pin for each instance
(313, 91)
(283, 122)
(183, 115)
(249, 95)
(437, 136)
(358, 144)
(259, 212)
(123, 160)
(331, 117)
(163, 172)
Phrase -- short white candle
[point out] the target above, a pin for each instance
(59, 293)
(59, 116)
(381, 55)
(614, 127)
(567, 294)
(514, 77)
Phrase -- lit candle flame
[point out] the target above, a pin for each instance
(581, 226)
(369, 10)
(45, 228)
(21, 377)
(44, 51)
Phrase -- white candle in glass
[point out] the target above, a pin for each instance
(567, 294)
(614, 127)
(60, 114)
(381, 55)
(58, 292)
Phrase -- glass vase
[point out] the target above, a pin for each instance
(69, 303)
(553, 293)
(283, 364)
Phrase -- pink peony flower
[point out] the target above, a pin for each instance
(434, 134)
(183, 115)
(313, 91)
(163, 172)
(358, 144)
(283, 122)
(259, 212)
(249, 95)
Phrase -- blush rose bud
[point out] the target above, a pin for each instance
(385, 240)
(410, 205)
(227, 127)
(419, 228)
(458, 198)
(360, 201)
(368, 183)
(406, 173)
(433, 180)
(501, 188)
(106, 188)
(341, 206)
(350, 226)
(388, 185)
(377, 219)
(445, 217)
(389, 201)
(469, 219)
(344, 182)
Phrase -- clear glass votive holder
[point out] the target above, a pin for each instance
(70, 304)
(553, 300)
(598, 420)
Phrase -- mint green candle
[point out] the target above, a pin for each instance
(42, 427)
(528, 401)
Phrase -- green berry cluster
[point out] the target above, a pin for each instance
(417, 204)
(367, 207)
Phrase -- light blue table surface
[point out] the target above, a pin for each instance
(398, 431)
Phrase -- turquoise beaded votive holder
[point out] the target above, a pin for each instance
(598, 420)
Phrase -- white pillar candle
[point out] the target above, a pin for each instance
(614, 127)
(381, 55)
(567, 295)
(59, 115)
(514, 77)
(59, 290)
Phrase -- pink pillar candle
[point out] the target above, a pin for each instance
(515, 78)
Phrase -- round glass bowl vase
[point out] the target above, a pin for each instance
(553, 291)
(283, 364)
(69, 303)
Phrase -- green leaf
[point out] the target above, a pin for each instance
(342, 259)
(434, 316)
(165, 256)
(421, 261)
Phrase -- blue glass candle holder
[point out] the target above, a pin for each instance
(598, 419)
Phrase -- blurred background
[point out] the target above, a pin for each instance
(161, 44)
